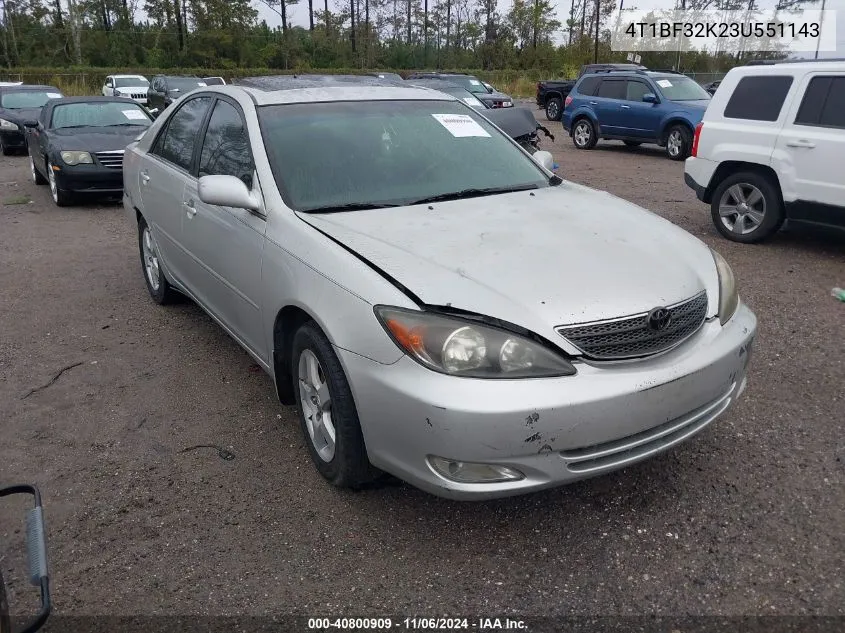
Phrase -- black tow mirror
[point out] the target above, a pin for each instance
(36, 545)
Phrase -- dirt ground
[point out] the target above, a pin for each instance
(747, 518)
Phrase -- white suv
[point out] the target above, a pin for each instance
(130, 86)
(771, 147)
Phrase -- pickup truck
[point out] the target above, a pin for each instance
(551, 94)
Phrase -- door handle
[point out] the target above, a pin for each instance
(190, 208)
(145, 177)
(594, 102)
(801, 143)
(625, 107)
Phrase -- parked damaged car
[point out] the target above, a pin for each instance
(437, 303)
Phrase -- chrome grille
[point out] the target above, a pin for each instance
(631, 337)
(112, 160)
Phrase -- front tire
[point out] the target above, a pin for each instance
(157, 285)
(678, 142)
(327, 411)
(747, 208)
(584, 134)
(61, 197)
(554, 108)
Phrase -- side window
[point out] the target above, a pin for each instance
(823, 103)
(636, 90)
(588, 86)
(176, 143)
(612, 89)
(225, 149)
(109, 83)
(758, 98)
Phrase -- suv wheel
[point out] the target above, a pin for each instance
(553, 109)
(747, 207)
(678, 142)
(584, 134)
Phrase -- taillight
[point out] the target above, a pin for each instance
(695, 139)
(567, 102)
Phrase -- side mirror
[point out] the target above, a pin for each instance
(30, 124)
(227, 191)
(544, 159)
(650, 97)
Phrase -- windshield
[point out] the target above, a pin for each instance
(465, 96)
(99, 114)
(470, 83)
(27, 99)
(680, 88)
(130, 82)
(213, 81)
(185, 85)
(377, 153)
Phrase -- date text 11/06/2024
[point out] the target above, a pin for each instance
(417, 624)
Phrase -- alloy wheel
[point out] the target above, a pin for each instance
(552, 111)
(151, 266)
(742, 208)
(582, 134)
(32, 171)
(54, 187)
(316, 402)
(674, 143)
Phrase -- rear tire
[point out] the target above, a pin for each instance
(327, 411)
(157, 285)
(747, 208)
(678, 142)
(554, 109)
(584, 134)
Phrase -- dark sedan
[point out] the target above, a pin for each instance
(77, 145)
(18, 104)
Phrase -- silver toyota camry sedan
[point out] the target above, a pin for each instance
(435, 301)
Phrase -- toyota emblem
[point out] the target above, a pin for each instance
(659, 319)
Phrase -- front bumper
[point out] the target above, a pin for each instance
(13, 139)
(90, 179)
(553, 430)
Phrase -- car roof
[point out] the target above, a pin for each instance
(22, 87)
(303, 91)
(129, 76)
(180, 77)
(93, 98)
(789, 66)
(290, 82)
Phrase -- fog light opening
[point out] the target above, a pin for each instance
(473, 473)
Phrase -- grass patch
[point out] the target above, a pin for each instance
(22, 199)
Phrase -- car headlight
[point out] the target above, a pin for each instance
(7, 125)
(728, 296)
(77, 158)
(461, 347)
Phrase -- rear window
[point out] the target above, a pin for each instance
(824, 103)
(588, 86)
(27, 99)
(758, 98)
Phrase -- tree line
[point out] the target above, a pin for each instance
(389, 34)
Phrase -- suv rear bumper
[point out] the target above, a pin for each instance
(698, 173)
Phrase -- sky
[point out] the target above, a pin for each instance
(298, 15)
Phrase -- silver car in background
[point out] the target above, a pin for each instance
(435, 301)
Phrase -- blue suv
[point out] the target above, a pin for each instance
(639, 106)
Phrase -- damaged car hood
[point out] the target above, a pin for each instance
(539, 259)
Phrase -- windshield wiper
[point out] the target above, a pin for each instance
(472, 193)
(354, 206)
(71, 127)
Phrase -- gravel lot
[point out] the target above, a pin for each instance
(747, 518)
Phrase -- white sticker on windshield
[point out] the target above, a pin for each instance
(664, 83)
(471, 101)
(474, 82)
(460, 125)
(202, 83)
(54, 95)
(134, 115)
